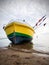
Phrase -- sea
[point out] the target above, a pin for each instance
(36, 46)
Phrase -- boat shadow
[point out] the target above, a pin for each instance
(27, 46)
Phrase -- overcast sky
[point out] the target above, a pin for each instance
(30, 10)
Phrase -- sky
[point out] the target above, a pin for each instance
(31, 11)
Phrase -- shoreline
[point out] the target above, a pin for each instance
(9, 56)
(25, 50)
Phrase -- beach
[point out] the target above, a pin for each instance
(12, 56)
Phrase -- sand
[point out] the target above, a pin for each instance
(9, 56)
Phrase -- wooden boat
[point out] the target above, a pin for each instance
(19, 32)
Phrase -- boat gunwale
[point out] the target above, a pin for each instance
(19, 24)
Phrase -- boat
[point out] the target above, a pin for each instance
(18, 32)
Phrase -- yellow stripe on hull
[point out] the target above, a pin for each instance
(19, 27)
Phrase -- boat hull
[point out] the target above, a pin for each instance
(19, 38)
(19, 33)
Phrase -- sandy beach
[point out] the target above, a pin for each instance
(9, 56)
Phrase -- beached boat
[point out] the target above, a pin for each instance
(19, 32)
